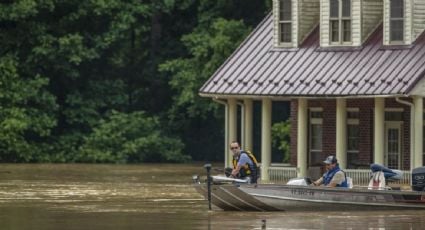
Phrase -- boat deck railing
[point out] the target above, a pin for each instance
(359, 176)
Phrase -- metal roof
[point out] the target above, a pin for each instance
(257, 68)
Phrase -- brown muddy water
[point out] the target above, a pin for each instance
(149, 196)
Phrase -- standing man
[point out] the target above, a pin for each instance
(244, 164)
(334, 176)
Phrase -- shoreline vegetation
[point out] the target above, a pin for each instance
(115, 81)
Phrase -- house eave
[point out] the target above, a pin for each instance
(290, 97)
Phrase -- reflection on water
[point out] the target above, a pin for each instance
(149, 196)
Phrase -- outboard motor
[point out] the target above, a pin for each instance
(418, 179)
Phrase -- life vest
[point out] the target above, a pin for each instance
(247, 169)
(327, 177)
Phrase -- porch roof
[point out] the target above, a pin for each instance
(257, 68)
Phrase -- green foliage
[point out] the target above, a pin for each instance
(208, 49)
(65, 65)
(281, 133)
(132, 137)
(25, 112)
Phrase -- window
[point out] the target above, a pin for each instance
(353, 134)
(393, 115)
(340, 21)
(396, 20)
(285, 17)
(353, 130)
(316, 134)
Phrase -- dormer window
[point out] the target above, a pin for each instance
(340, 21)
(396, 20)
(285, 21)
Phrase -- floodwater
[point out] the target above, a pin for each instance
(149, 196)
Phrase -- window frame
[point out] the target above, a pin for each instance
(353, 122)
(396, 19)
(315, 121)
(282, 22)
(340, 19)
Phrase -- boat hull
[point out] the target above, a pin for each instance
(298, 198)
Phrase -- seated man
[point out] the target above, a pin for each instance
(334, 176)
(244, 164)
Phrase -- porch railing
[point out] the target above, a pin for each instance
(362, 176)
(359, 176)
(282, 174)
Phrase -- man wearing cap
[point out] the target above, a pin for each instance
(334, 176)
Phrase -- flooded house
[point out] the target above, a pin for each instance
(353, 73)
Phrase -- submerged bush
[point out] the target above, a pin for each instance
(133, 137)
(281, 133)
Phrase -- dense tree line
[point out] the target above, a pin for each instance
(114, 80)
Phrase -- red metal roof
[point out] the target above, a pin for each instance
(259, 69)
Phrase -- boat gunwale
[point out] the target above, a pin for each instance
(331, 189)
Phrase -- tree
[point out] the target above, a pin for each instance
(80, 60)
(25, 113)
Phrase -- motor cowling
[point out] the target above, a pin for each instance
(418, 179)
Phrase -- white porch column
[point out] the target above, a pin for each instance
(233, 133)
(266, 144)
(379, 120)
(248, 124)
(341, 132)
(418, 138)
(226, 136)
(302, 138)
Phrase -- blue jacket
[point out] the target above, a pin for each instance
(327, 177)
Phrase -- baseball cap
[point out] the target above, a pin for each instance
(330, 160)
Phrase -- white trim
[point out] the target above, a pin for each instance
(316, 109)
(389, 109)
(291, 97)
(353, 121)
(353, 109)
